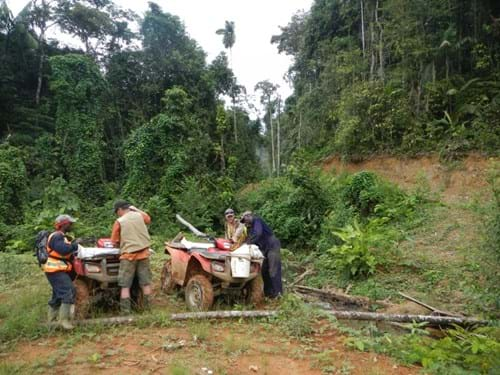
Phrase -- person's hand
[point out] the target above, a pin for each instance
(78, 241)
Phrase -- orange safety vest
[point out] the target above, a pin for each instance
(57, 262)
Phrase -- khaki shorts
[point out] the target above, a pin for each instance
(130, 268)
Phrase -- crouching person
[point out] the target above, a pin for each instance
(132, 236)
(261, 235)
(58, 271)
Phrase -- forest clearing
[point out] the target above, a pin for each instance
(441, 253)
(317, 181)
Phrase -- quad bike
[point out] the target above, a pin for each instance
(96, 279)
(208, 269)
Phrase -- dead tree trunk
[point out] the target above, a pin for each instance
(407, 318)
(272, 136)
(429, 307)
(224, 314)
(102, 321)
(340, 297)
(278, 146)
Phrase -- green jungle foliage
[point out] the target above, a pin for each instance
(141, 115)
(459, 352)
(393, 76)
(81, 127)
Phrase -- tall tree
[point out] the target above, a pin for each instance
(39, 17)
(228, 40)
(268, 91)
(100, 25)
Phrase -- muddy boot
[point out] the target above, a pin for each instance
(147, 302)
(52, 314)
(125, 306)
(65, 316)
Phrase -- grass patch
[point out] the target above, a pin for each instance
(23, 308)
(200, 331)
(233, 345)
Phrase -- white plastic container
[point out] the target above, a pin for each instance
(240, 261)
(240, 265)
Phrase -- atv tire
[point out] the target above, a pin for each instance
(255, 291)
(82, 300)
(168, 285)
(199, 293)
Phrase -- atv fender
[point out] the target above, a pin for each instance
(180, 263)
(196, 264)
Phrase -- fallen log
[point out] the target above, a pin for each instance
(224, 314)
(407, 318)
(429, 307)
(102, 321)
(340, 297)
(301, 277)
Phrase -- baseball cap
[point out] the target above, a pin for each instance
(229, 211)
(62, 219)
(120, 204)
(246, 215)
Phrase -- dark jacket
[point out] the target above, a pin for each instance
(58, 244)
(261, 235)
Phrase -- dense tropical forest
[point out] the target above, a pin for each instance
(138, 113)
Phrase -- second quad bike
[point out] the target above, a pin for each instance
(96, 279)
(208, 269)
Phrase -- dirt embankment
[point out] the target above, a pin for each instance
(455, 181)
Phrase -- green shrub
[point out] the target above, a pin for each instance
(362, 193)
(293, 205)
(354, 258)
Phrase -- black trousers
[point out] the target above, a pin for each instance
(63, 290)
(271, 273)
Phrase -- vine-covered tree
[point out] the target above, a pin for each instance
(78, 85)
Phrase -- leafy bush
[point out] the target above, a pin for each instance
(362, 193)
(293, 205)
(355, 257)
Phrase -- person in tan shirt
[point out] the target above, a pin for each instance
(235, 231)
(131, 234)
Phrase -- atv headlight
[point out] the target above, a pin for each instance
(92, 268)
(217, 267)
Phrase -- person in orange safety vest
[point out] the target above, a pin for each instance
(58, 271)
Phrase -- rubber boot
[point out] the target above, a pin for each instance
(125, 306)
(65, 316)
(52, 314)
(147, 302)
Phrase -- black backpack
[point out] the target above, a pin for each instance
(41, 253)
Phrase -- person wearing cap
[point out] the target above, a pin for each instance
(235, 231)
(131, 234)
(58, 271)
(261, 235)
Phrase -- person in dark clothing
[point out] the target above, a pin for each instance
(58, 270)
(261, 235)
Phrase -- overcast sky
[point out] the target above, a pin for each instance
(255, 59)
